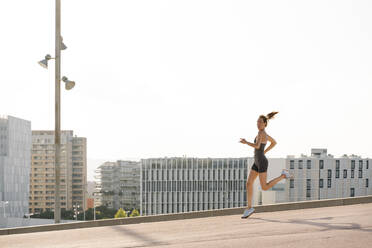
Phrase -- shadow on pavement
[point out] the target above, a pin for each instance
(147, 241)
(327, 226)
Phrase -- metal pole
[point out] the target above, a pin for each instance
(85, 186)
(94, 207)
(57, 133)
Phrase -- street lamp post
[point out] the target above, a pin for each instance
(69, 85)
(76, 211)
(84, 200)
(57, 132)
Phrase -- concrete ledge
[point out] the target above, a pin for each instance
(190, 215)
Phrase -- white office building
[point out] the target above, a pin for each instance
(173, 185)
(180, 184)
(322, 176)
(15, 163)
(276, 194)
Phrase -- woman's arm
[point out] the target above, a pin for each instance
(254, 145)
(272, 144)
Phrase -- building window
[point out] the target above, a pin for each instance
(291, 183)
(308, 183)
(308, 194)
(240, 164)
(329, 182)
(337, 168)
(352, 173)
(353, 164)
(329, 173)
(367, 164)
(360, 174)
(321, 164)
(366, 182)
(214, 164)
(291, 163)
(308, 162)
(345, 173)
(320, 183)
(352, 192)
(300, 164)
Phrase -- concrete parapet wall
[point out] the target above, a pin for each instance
(190, 215)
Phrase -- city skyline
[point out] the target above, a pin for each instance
(168, 78)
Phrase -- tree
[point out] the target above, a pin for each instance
(44, 214)
(105, 212)
(120, 214)
(67, 214)
(134, 213)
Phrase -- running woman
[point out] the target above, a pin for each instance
(259, 167)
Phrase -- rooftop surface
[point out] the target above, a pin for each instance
(340, 226)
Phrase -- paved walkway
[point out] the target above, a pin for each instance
(342, 226)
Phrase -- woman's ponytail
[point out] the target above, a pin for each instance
(267, 117)
(271, 115)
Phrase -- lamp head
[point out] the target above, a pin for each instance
(44, 62)
(63, 46)
(68, 84)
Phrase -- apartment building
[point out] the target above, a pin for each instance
(118, 185)
(73, 176)
(15, 163)
(322, 176)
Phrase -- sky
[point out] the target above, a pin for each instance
(173, 78)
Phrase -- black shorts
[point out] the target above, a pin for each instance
(260, 165)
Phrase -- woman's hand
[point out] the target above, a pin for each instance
(243, 141)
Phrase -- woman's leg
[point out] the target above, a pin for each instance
(264, 184)
(252, 176)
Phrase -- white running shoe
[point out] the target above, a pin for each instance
(247, 213)
(286, 174)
